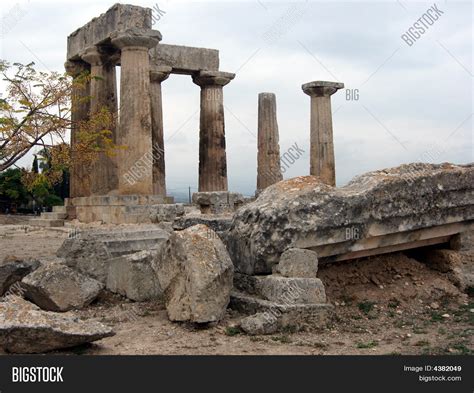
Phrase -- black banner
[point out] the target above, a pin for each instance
(245, 373)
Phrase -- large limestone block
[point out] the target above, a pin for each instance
(13, 270)
(296, 262)
(91, 251)
(133, 276)
(286, 290)
(195, 273)
(24, 328)
(305, 213)
(56, 287)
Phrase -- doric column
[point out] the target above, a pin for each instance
(103, 92)
(268, 159)
(134, 131)
(157, 75)
(79, 185)
(212, 154)
(322, 162)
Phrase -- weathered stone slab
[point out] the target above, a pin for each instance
(166, 213)
(24, 328)
(13, 270)
(297, 262)
(91, 251)
(282, 290)
(132, 276)
(195, 272)
(185, 59)
(305, 213)
(119, 17)
(56, 287)
(273, 316)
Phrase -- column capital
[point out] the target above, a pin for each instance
(94, 56)
(136, 37)
(321, 88)
(75, 68)
(213, 78)
(159, 73)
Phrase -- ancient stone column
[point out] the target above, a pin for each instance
(322, 162)
(212, 154)
(103, 95)
(80, 104)
(134, 131)
(157, 75)
(268, 159)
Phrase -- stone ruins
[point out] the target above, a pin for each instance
(259, 256)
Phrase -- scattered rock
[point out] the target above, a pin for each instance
(297, 262)
(446, 316)
(56, 287)
(259, 323)
(133, 276)
(13, 270)
(24, 328)
(195, 272)
(434, 305)
(166, 212)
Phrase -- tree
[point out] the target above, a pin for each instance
(36, 111)
(12, 189)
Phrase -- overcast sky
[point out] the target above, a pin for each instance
(415, 102)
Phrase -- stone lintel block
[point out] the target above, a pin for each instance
(185, 59)
(136, 37)
(98, 30)
(321, 88)
(212, 78)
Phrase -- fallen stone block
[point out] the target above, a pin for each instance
(56, 287)
(274, 316)
(195, 272)
(13, 270)
(218, 202)
(166, 213)
(284, 290)
(132, 276)
(91, 251)
(24, 328)
(458, 265)
(383, 211)
(296, 262)
(259, 324)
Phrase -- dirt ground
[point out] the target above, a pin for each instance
(388, 304)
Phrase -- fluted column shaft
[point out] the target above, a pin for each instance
(322, 161)
(135, 132)
(212, 147)
(104, 173)
(158, 75)
(79, 184)
(268, 159)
